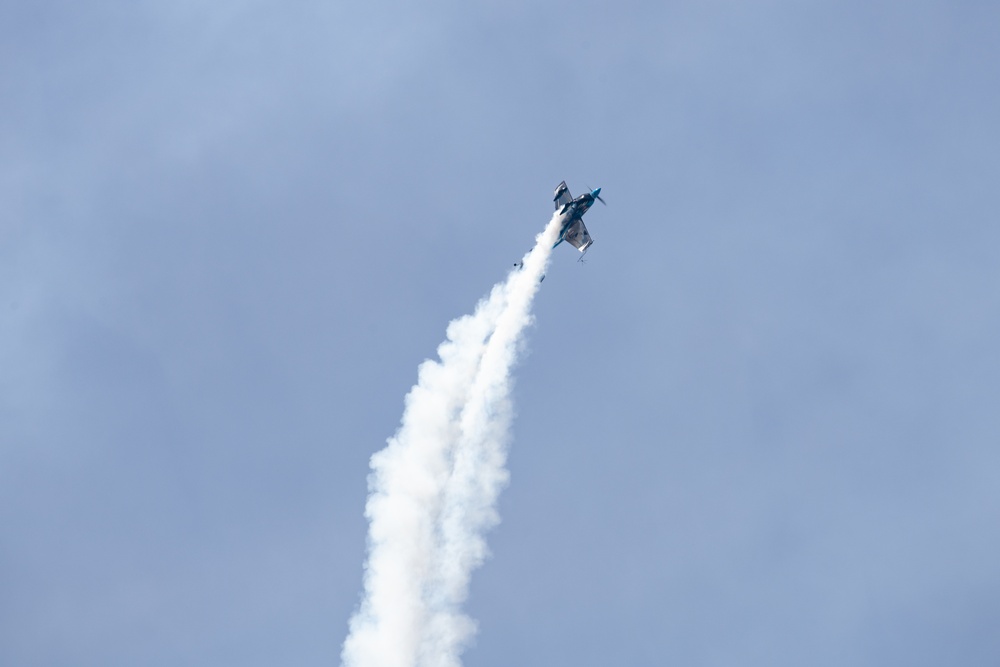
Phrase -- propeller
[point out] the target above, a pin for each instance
(596, 194)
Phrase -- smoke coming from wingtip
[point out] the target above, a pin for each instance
(433, 489)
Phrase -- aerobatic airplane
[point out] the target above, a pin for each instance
(571, 211)
(573, 230)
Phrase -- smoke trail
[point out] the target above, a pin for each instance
(433, 489)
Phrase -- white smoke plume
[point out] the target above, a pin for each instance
(433, 489)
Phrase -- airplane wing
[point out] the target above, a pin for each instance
(563, 196)
(578, 236)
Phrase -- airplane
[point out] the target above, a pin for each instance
(571, 210)
(573, 230)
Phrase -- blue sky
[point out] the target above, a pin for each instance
(757, 427)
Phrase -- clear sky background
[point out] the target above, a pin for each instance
(760, 426)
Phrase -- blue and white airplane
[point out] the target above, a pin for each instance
(571, 211)
(573, 230)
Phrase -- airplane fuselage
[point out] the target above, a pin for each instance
(573, 211)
